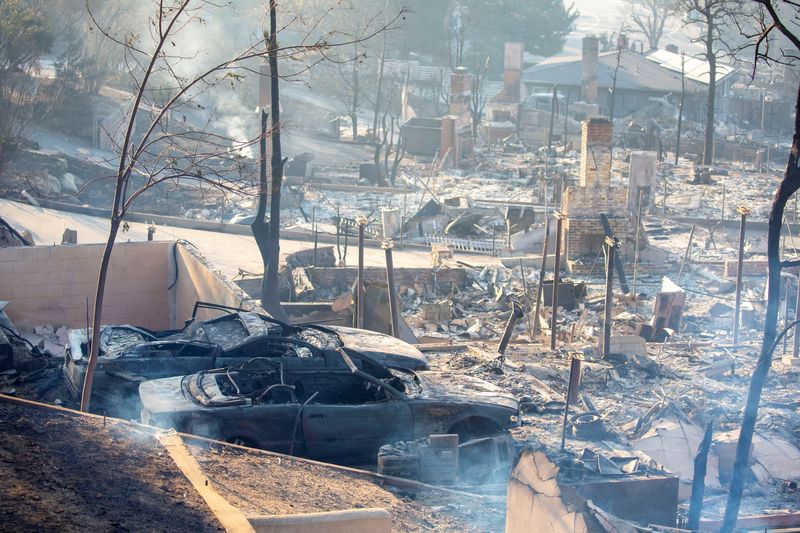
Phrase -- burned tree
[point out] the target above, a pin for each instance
(24, 37)
(771, 15)
(478, 99)
(649, 17)
(712, 16)
(156, 152)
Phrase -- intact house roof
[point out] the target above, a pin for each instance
(636, 72)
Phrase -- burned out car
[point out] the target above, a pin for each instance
(131, 355)
(340, 413)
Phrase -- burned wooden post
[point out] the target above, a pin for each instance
(516, 314)
(556, 269)
(611, 246)
(743, 211)
(572, 392)
(362, 224)
(699, 480)
(394, 312)
(314, 231)
(537, 307)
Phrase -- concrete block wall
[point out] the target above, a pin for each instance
(50, 284)
(595, 152)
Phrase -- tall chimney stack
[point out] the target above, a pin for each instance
(589, 74)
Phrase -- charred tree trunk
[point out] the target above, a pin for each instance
(788, 186)
(97, 318)
(680, 110)
(269, 297)
(708, 148)
(260, 227)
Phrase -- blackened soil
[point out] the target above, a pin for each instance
(63, 472)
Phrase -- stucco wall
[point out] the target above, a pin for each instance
(50, 284)
(198, 282)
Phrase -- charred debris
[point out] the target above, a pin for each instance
(571, 327)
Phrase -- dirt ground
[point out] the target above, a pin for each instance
(60, 472)
(259, 484)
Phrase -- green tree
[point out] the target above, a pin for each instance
(24, 36)
(542, 26)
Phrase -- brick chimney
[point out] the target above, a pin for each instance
(589, 73)
(460, 91)
(596, 152)
(512, 71)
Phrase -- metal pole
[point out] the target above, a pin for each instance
(556, 268)
(394, 312)
(541, 278)
(362, 223)
(574, 374)
(611, 246)
(686, 254)
(516, 314)
(796, 346)
(636, 252)
(743, 211)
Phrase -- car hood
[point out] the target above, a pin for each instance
(384, 349)
(165, 395)
(453, 386)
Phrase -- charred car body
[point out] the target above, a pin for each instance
(131, 355)
(340, 413)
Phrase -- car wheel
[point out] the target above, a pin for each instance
(473, 428)
(241, 441)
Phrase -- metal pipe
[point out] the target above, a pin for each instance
(516, 314)
(537, 307)
(743, 211)
(393, 311)
(314, 230)
(611, 247)
(556, 269)
(362, 223)
(636, 253)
